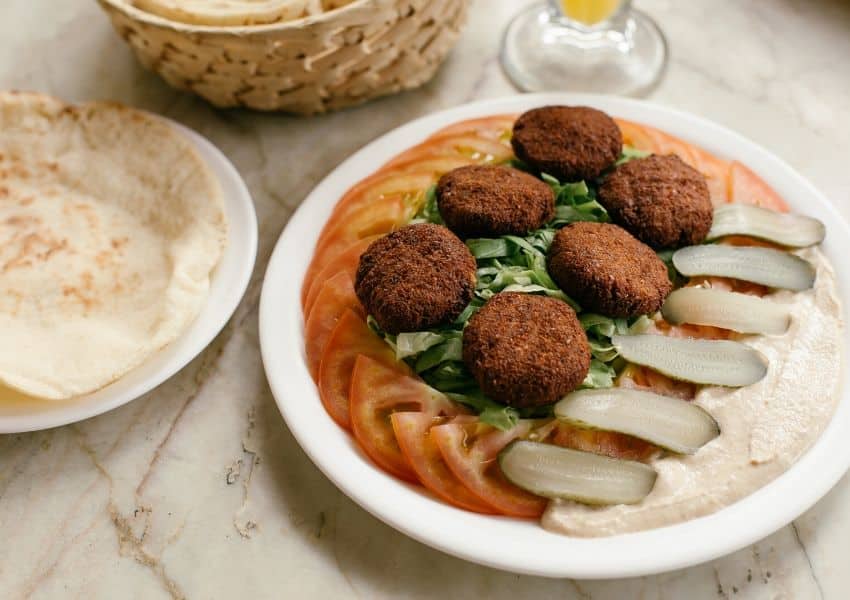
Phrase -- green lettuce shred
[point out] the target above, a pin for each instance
(429, 213)
(630, 153)
(490, 412)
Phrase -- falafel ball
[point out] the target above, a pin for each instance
(417, 277)
(489, 201)
(568, 142)
(526, 350)
(607, 270)
(659, 199)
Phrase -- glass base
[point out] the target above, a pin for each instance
(627, 57)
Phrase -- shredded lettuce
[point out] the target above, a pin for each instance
(630, 153)
(599, 330)
(447, 351)
(490, 412)
(574, 202)
(600, 375)
(411, 344)
(429, 213)
(489, 248)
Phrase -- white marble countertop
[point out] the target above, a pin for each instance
(198, 490)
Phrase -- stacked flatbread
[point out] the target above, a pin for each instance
(236, 12)
(110, 227)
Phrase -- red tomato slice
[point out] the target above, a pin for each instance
(410, 188)
(644, 378)
(471, 453)
(378, 216)
(668, 144)
(716, 173)
(381, 217)
(608, 443)
(689, 330)
(730, 285)
(478, 149)
(496, 127)
(656, 141)
(344, 263)
(636, 136)
(412, 433)
(336, 296)
(435, 165)
(378, 391)
(748, 188)
(350, 338)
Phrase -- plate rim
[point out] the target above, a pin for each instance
(607, 557)
(238, 206)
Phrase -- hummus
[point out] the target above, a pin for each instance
(765, 427)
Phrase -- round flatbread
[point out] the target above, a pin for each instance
(110, 226)
(229, 12)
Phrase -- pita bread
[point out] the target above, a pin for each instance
(110, 226)
(229, 12)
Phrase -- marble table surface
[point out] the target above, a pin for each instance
(198, 490)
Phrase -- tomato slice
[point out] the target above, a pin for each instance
(381, 217)
(608, 443)
(716, 173)
(748, 188)
(377, 217)
(377, 391)
(336, 296)
(435, 165)
(471, 453)
(667, 144)
(476, 148)
(496, 127)
(344, 263)
(413, 436)
(690, 330)
(649, 139)
(636, 136)
(407, 187)
(644, 378)
(350, 338)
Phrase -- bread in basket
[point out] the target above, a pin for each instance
(338, 58)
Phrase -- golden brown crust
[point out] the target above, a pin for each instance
(659, 199)
(415, 278)
(608, 271)
(526, 350)
(571, 143)
(489, 201)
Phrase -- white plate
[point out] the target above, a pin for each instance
(228, 284)
(511, 544)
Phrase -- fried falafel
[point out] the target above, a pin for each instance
(526, 350)
(571, 143)
(415, 278)
(607, 270)
(660, 200)
(489, 201)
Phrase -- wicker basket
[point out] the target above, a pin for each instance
(366, 49)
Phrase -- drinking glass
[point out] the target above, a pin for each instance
(601, 46)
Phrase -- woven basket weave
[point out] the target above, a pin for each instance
(366, 49)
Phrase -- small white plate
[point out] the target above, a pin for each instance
(513, 544)
(229, 280)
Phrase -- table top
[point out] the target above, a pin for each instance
(198, 490)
